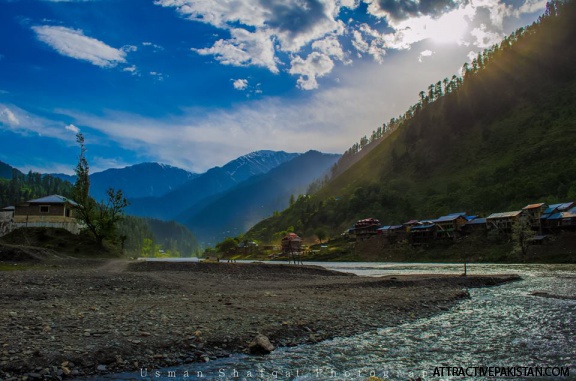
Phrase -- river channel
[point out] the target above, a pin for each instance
(521, 330)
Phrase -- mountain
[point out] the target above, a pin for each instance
(140, 180)
(501, 137)
(136, 181)
(6, 170)
(212, 182)
(238, 209)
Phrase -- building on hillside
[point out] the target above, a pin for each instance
(552, 217)
(422, 234)
(565, 220)
(364, 229)
(292, 247)
(533, 212)
(393, 233)
(53, 211)
(450, 226)
(475, 225)
(503, 222)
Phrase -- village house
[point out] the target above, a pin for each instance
(475, 225)
(53, 211)
(503, 222)
(364, 229)
(393, 233)
(450, 226)
(422, 234)
(552, 216)
(292, 247)
(533, 212)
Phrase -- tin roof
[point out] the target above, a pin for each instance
(450, 217)
(423, 227)
(533, 206)
(558, 207)
(391, 227)
(476, 221)
(504, 214)
(52, 199)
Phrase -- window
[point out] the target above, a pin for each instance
(44, 209)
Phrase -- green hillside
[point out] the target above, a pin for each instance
(497, 139)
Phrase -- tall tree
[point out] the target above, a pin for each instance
(99, 218)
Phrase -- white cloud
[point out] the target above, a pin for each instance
(73, 43)
(72, 128)
(243, 49)
(240, 84)
(484, 37)
(260, 31)
(425, 53)
(131, 69)
(8, 117)
(314, 66)
(24, 123)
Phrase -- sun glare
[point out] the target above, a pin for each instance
(449, 28)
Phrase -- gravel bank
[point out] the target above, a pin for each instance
(69, 321)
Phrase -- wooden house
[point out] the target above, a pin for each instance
(551, 219)
(503, 222)
(565, 220)
(422, 234)
(291, 243)
(533, 212)
(392, 233)
(475, 225)
(450, 226)
(53, 211)
(292, 247)
(366, 228)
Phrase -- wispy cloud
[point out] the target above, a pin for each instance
(73, 43)
(24, 123)
(328, 120)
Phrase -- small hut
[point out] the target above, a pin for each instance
(292, 247)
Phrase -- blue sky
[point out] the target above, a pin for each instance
(196, 83)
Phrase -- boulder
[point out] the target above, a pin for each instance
(261, 345)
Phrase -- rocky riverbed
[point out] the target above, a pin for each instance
(73, 319)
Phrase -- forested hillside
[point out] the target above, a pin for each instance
(146, 237)
(16, 187)
(497, 138)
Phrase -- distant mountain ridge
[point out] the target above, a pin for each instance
(210, 183)
(139, 180)
(238, 209)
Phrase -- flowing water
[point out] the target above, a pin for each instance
(504, 330)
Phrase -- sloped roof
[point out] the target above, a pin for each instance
(450, 217)
(391, 227)
(558, 207)
(504, 214)
(533, 206)
(422, 227)
(291, 237)
(476, 221)
(52, 199)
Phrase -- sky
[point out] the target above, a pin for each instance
(197, 83)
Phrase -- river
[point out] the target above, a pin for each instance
(502, 332)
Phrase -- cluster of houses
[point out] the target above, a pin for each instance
(53, 211)
(542, 219)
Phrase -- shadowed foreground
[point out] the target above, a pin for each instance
(95, 317)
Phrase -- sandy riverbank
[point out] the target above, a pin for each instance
(72, 320)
